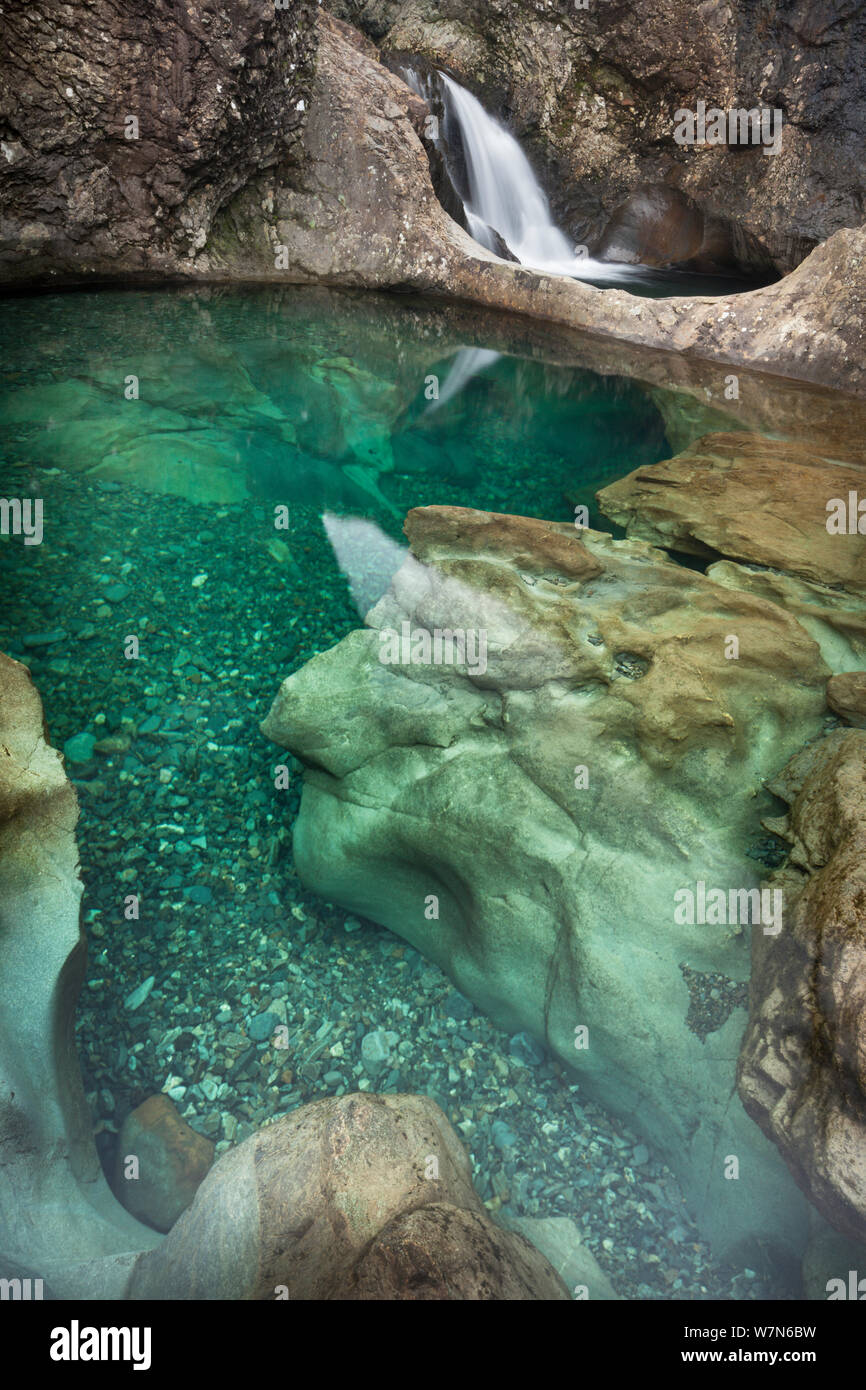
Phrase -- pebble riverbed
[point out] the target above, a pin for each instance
(179, 807)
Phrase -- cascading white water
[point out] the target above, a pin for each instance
(503, 193)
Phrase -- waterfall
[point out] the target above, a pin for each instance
(499, 190)
(503, 191)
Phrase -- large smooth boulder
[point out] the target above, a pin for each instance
(802, 1070)
(449, 804)
(361, 1197)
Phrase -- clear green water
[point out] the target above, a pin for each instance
(265, 396)
(159, 523)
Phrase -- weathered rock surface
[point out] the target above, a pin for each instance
(172, 1161)
(431, 785)
(846, 695)
(593, 93)
(802, 1070)
(352, 205)
(217, 94)
(835, 618)
(558, 1238)
(750, 498)
(55, 1206)
(333, 1202)
(366, 214)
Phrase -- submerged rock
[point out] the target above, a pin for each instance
(358, 1197)
(802, 1069)
(527, 821)
(56, 1208)
(171, 1162)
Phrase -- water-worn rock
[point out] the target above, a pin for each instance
(835, 618)
(592, 94)
(358, 1197)
(362, 212)
(526, 821)
(802, 1070)
(55, 1206)
(172, 1162)
(846, 695)
(558, 1238)
(750, 498)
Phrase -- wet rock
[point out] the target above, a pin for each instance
(846, 696)
(802, 1069)
(548, 703)
(749, 498)
(161, 1162)
(527, 1051)
(261, 1028)
(137, 996)
(79, 748)
(409, 1235)
(375, 1051)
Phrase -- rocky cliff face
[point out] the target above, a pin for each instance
(593, 88)
(223, 183)
(124, 130)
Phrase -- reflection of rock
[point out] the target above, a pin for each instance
(846, 695)
(802, 1071)
(172, 1160)
(749, 498)
(556, 900)
(55, 1206)
(362, 1197)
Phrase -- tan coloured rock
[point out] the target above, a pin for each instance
(846, 695)
(835, 618)
(555, 895)
(749, 498)
(55, 1207)
(334, 1201)
(802, 1068)
(172, 1162)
